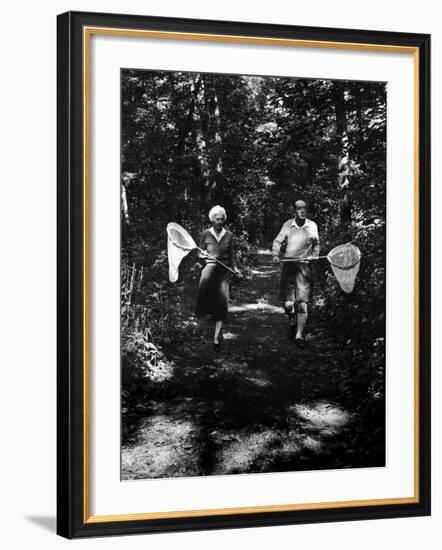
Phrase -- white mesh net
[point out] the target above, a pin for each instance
(179, 244)
(345, 260)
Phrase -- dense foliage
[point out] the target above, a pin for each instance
(252, 144)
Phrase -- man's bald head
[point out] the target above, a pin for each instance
(301, 209)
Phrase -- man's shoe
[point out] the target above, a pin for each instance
(300, 343)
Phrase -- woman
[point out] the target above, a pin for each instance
(213, 291)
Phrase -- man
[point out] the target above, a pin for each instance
(296, 284)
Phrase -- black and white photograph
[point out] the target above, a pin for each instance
(253, 214)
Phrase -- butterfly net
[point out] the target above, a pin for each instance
(345, 260)
(179, 244)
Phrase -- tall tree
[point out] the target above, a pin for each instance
(339, 97)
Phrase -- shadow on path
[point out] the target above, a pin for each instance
(259, 405)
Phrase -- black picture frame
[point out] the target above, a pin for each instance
(72, 515)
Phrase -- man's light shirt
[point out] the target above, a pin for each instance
(302, 241)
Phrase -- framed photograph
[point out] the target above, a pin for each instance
(243, 274)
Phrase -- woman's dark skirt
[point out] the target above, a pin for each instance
(213, 292)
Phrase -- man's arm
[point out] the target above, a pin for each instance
(280, 238)
(316, 245)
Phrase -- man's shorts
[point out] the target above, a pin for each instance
(296, 284)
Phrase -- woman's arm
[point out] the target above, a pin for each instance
(202, 245)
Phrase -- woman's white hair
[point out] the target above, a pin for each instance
(217, 210)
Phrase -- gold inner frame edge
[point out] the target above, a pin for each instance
(87, 33)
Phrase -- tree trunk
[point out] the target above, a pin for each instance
(218, 142)
(187, 124)
(344, 156)
(212, 133)
(201, 143)
(124, 206)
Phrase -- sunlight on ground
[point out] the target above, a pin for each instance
(243, 450)
(232, 366)
(230, 335)
(258, 306)
(264, 272)
(242, 369)
(321, 416)
(312, 444)
(258, 381)
(169, 443)
(166, 449)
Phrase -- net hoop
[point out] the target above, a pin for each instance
(179, 244)
(345, 261)
(180, 237)
(339, 250)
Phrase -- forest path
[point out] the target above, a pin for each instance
(258, 405)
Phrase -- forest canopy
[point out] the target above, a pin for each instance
(253, 144)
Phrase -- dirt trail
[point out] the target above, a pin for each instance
(259, 405)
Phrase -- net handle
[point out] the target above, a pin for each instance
(298, 259)
(197, 248)
(294, 260)
(307, 259)
(216, 260)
